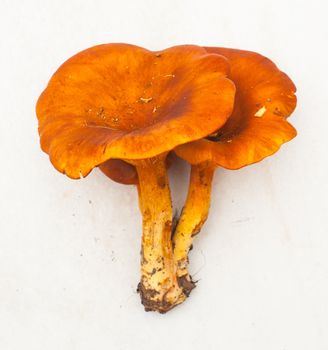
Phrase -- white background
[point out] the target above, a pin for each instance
(69, 250)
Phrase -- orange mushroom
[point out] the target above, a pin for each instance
(256, 129)
(119, 101)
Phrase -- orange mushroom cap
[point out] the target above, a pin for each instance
(124, 173)
(122, 101)
(120, 171)
(257, 128)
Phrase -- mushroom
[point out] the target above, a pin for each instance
(256, 129)
(123, 102)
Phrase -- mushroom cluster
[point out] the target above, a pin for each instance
(126, 110)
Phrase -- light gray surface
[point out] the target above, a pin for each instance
(69, 250)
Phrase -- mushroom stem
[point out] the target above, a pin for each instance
(159, 287)
(193, 216)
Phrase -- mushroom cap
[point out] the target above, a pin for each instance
(124, 173)
(125, 102)
(258, 126)
(120, 171)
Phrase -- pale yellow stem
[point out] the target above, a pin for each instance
(159, 286)
(193, 216)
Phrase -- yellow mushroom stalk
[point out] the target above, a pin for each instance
(192, 218)
(159, 287)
